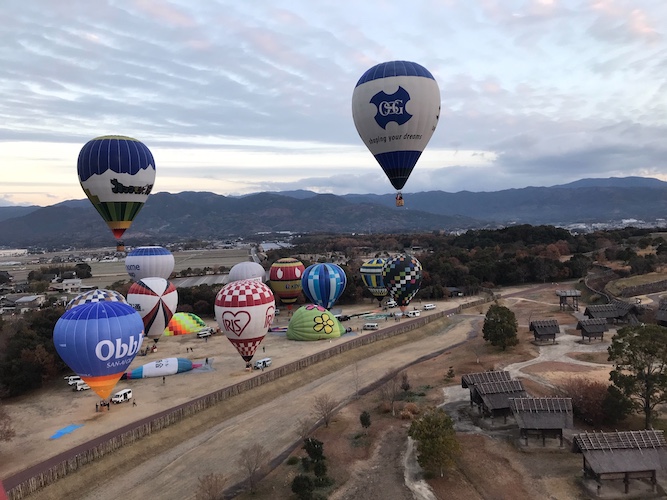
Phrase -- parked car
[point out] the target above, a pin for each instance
(262, 363)
(81, 386)
(72, 379)
(206, 332)
(428, 307)
(122, 396)
(392, 303)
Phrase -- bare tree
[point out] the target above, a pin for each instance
(392, 391)
(251, 461)
(357, 379)
(303, 427)
(7, 431)
(210, 487)
(324, 407)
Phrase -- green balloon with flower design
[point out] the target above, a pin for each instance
(313, 322)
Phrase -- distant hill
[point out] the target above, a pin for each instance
(202, 215)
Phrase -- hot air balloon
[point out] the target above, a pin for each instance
(117, 174)
(244, 311)
(395, 107)
(313, 322)
(162, 367)
(155, 299)
(246, 271)
(371, 274)
(402, 276)
(149, 262)
(100, 295)
(184, 323)
(323, 284)
(285, 275)
(98, 341)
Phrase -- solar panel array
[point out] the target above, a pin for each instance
(536, 405)
(626, 440)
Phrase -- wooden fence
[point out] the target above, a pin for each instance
(24, 483)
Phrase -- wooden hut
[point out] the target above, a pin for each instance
(469, 380)
(607, 312)
(661, 314)
(545, 329)
(593, 328)
(493, 398)
(622, 455)
(542, 416)
(566, 295)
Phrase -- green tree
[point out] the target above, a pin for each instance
(303, 487)
(437, 446)
(500, 327)
(639, 354)
(314, 448)
(365, 419)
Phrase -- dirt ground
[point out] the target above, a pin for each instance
(363, 465)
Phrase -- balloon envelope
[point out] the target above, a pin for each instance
(246, 271)
(100, 295)
(285, 275)
(371, 274)
(98, 341)
(396, 107)
(323, 284)
(149, 262)
(117, 174)
(161, 367)
(244, 311)
(402, 276)
(183, 323)
(155, 299)
(313, 322)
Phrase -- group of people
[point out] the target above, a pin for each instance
(98, 406)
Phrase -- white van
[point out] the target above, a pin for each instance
(122, 396)
(72, 379)
(81, 386)
(412, 314)
(429, 307)
(371, 326)
(392, 304)
(262, 363)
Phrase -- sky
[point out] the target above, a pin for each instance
(240, 97)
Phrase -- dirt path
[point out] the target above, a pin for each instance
(147, 470)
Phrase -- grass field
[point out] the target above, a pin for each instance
(617, 286)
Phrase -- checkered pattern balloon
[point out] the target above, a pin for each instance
(100, 295)
(244, 311)
(402, 276)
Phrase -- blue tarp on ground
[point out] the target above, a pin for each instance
(65, 430)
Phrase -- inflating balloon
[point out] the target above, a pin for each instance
(371, 274)
(396, 107)
(323, 284)
(161, 368)
(244, 311)
(246, 271)
(149, 262)
(98, 341)
(117, 174)
(402, 276)
(313, 322)
(100, 295)
(155, 299)
(184, 323)
(285, 275)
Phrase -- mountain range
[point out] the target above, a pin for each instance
(202, 215)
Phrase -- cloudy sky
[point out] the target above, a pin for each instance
(244, 96)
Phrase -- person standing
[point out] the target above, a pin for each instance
(163, 379)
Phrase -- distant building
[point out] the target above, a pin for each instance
(29, 303)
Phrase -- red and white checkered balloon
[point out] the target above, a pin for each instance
(244, 311)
